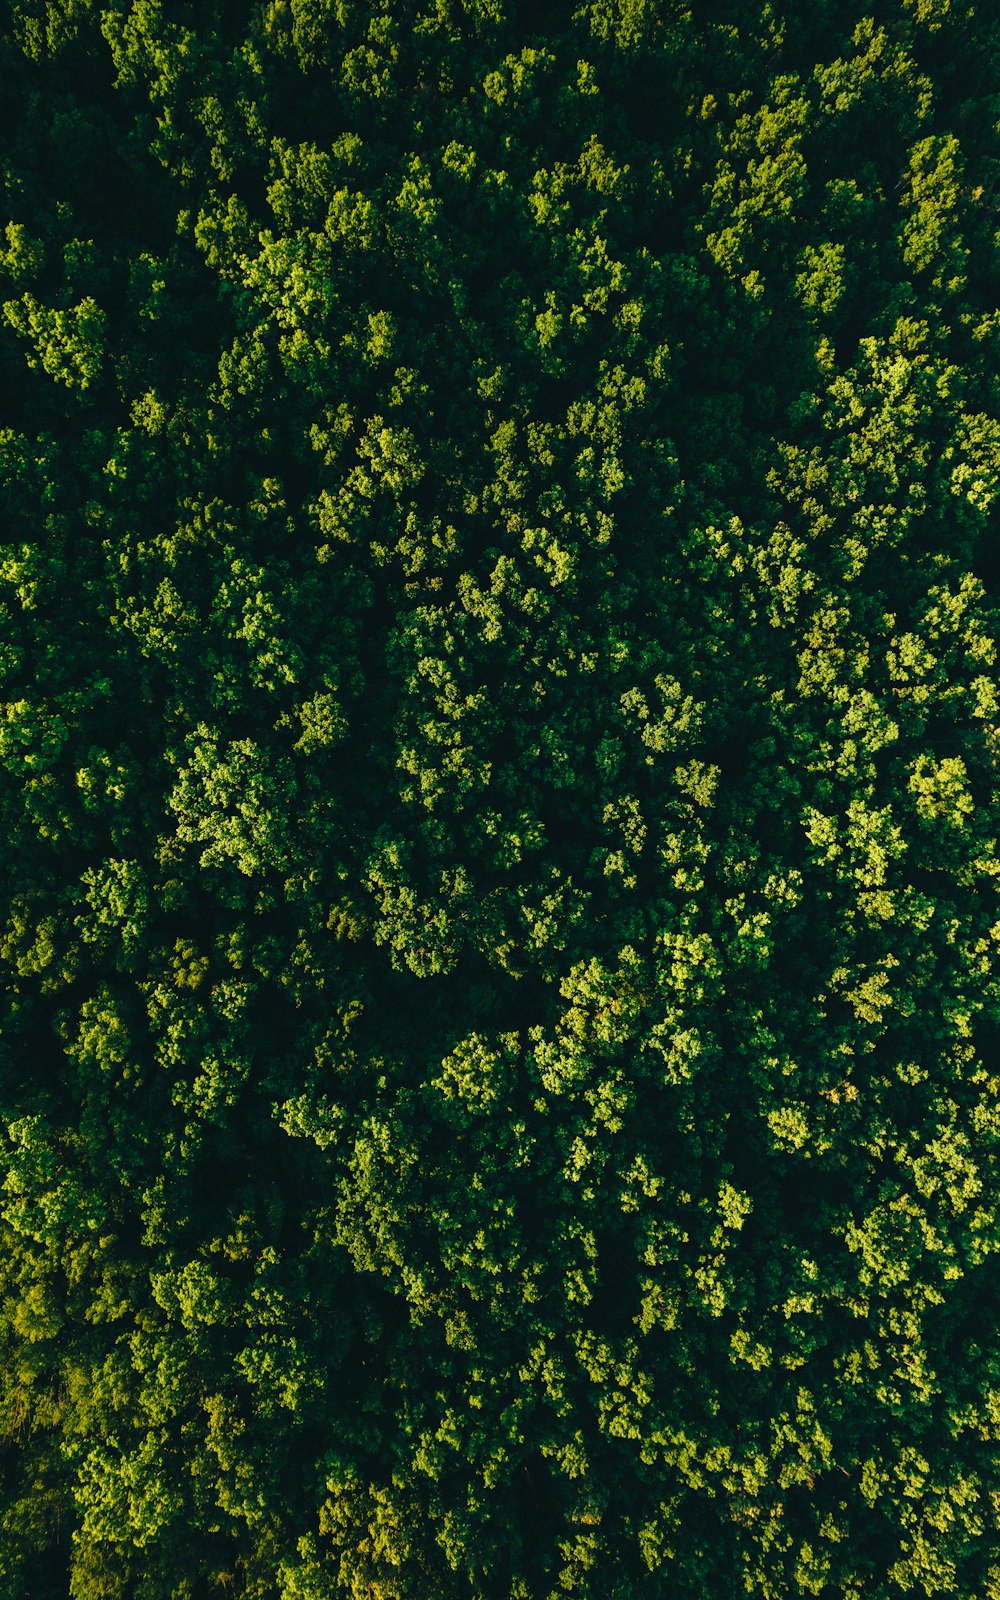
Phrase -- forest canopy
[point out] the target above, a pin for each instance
(499, 731)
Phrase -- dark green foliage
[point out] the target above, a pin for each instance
(499, 738)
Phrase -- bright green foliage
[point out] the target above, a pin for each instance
(499, 696)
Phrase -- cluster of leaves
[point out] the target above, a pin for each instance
(499, 733)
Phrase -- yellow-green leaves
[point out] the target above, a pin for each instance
(225, 799)
(67, 344)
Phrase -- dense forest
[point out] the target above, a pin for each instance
(499, 732)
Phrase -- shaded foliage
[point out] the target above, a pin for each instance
(498, 749)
